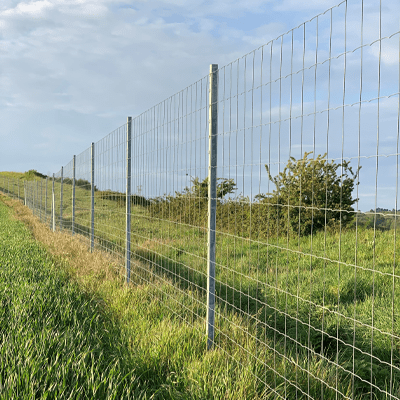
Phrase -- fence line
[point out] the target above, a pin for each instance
(245, 199)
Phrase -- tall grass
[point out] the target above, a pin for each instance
(84, 334)
(55, 341)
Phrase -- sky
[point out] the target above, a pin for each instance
(71, 71)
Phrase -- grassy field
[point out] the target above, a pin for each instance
(310, 317)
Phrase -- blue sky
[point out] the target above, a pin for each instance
(71, 71)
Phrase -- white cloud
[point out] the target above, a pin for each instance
(28, 9)
(388, 54)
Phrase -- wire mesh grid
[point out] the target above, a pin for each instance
(313, 278)
(110, 197)
(306, 280)
(169, 242)
(68, 197)
(83, 193)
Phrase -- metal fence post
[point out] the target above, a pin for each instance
(73, 195)
(33, 197)
(53, 209)
(61, 198)
(128, 199)
(212, 202)
(41, 198)
(45, 202)
(92, 198)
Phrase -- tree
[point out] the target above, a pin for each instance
(311, 193)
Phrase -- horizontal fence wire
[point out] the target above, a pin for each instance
(306, 278)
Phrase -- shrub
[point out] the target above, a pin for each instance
(190, 205)
(312, 193)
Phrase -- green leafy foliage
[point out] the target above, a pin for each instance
(82, 183)
(120, 198)
(199, 188)
(190, 205)
(33, 174)
(312, 193)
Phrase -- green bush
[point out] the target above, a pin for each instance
(32, 174)
(311, 194)
(190, 205)
(120, 198)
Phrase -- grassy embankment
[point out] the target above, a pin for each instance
(55, 340)
(334, 293)
(70, 328)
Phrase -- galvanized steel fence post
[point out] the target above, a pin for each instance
(45, 202)
(53, 209)
(92, 198)
(61, 198)
(73, 195)
(212, 202)
(33, 197)
(41, 198)
(128, 199)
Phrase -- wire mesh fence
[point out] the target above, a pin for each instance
(299, 273)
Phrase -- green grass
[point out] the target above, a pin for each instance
(55, 341)
(296, 318)
(59, 341)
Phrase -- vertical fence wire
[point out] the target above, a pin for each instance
(83, 195)
(110, 195)
(68, 196)
(128, 198)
